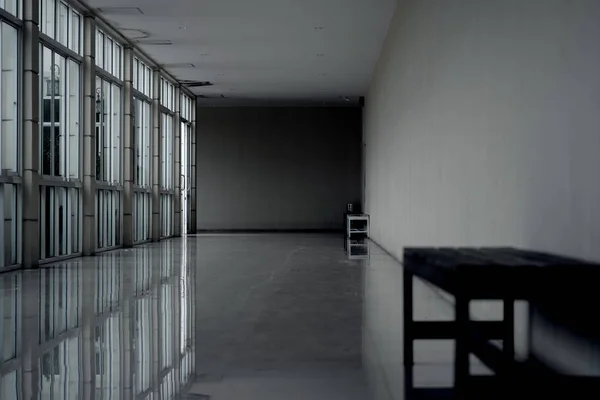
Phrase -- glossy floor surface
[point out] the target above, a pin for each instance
(222, 317)
(278, 317)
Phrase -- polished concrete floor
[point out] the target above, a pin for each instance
(220, 317)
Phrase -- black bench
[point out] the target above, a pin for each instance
(505, 274)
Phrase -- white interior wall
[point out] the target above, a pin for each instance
(483, 126)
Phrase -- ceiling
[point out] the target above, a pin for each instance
(260, 50)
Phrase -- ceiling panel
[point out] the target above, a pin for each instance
(262, 49)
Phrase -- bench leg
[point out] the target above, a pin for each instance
(461, 355)
(508, 340)
(408, 334)
(408, 319)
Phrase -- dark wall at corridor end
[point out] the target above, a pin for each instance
(277, 168)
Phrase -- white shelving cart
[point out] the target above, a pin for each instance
(357, 233)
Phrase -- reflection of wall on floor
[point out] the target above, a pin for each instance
(384, 331)
(571, 352)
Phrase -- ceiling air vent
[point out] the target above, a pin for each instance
(134, 34)
(154, 42)
(179, 65)
(120, 10)
(190, 84)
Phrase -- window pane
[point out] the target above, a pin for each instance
(108, 53)
(63, 24)
(117, 62)
(147, 141)
(9, 99)
(136, 66)
(10, 6)
(148, 82)
(137, 141)
(73, 107)
(107, 130)
(100, 49)
(116, 136)
(75, 32)
(48, 17)
(100, 103)
(47, 122)
(60, 109)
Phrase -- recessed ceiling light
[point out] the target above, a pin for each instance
(320, 55)
(204, 54)
(183, 28)
(233, 90)
(319, 28)
(220, 74)
(323, 74)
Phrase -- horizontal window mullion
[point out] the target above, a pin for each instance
(165, 110)
(108, 186)
(141, 96)
(108, 76)
(59, 48)
(11, 179)
(5, 16)
(48, 181)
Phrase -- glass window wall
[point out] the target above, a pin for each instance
(167, 163)
(60, 22)
(109, 128)
(60, 190)
(186, 161)
(10, 136)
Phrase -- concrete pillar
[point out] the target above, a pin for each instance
(177, 162)
(156, 155)
(30, 341)
(128, 150)
(89, 136)
(31, 144)
(194, 153)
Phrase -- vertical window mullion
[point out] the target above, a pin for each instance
(67, 122)
(1, 91)
(52, 106)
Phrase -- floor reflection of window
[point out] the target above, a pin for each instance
(59, 300)
(108, 284)
(143, 345)
(167, 260)
(142, 271)
(166, 315)
(167, 386)
(185, 310)
(9, 386)
(9, 285)
(59, 371)
(108, 359)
